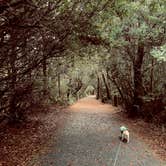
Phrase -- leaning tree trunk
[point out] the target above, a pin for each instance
(59, 84)
(99, 90)
(138, 86)
(107, 87)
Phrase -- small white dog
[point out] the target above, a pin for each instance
(124, 134)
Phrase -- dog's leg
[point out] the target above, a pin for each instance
(127, 138)
(123, 137)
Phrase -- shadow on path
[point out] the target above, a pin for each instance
(89, 137)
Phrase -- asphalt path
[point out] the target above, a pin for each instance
(90, 137)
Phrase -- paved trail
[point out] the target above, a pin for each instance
(89, 137)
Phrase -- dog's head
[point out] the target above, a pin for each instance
(123, 128)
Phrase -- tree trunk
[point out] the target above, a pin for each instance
(115, 101)
(99, 93)
(138, 87)
(151, 76)
(107, 87)
(59, 84)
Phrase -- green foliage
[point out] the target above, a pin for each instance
(80, 73)
(61, 46)
(159, 53)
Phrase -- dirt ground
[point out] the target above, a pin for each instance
(18, 144)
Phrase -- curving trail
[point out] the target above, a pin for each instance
(89, 137)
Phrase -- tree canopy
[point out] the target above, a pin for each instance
(54, 51)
